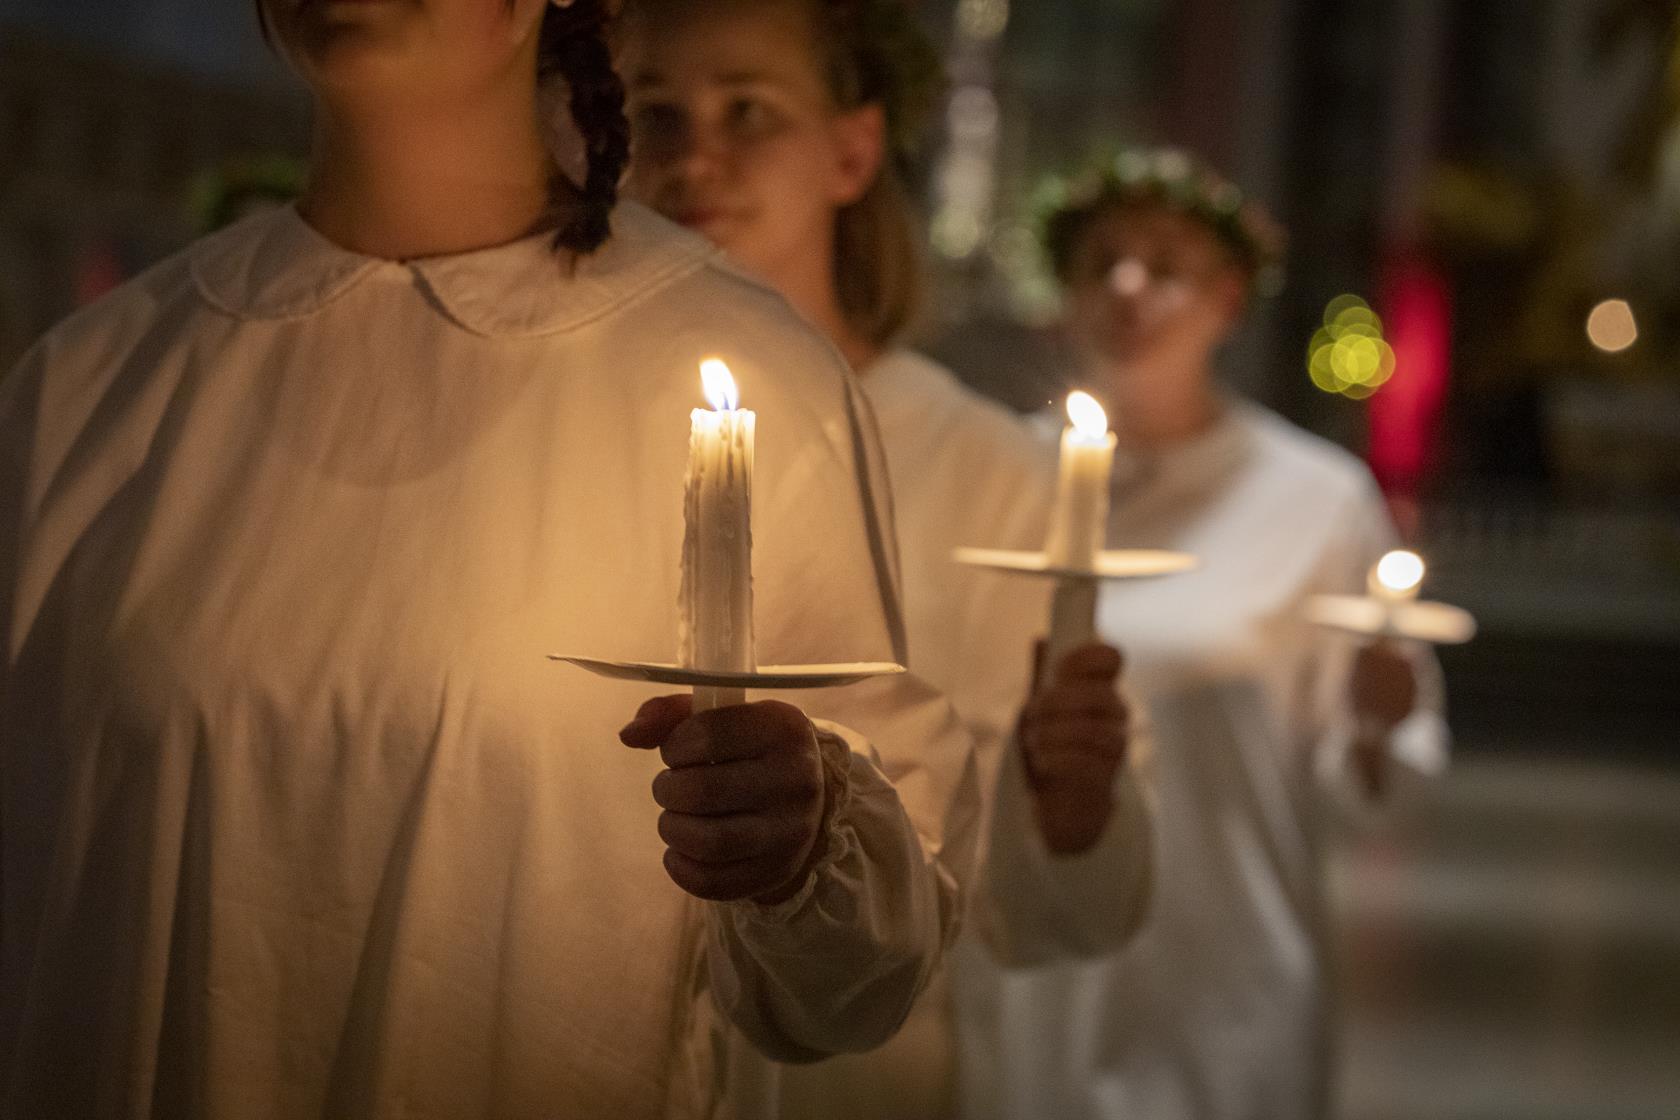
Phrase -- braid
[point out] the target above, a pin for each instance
(573, 46)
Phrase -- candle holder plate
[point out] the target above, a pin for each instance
(765, 677)
(1132, 563)
(1439, 624)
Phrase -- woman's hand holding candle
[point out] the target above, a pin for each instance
(743, 793)
(1383, 688)
(1384, 691)
(1074, 735)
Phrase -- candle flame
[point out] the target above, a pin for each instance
(1088, 417)
(1400, 570)
(719, 384)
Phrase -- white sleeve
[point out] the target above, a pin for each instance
(835, 968)
(1034, 906)
(1418, 750)
(1418, 746)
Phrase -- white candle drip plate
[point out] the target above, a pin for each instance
(765, 677)
(1422, 621)
(1134, 563)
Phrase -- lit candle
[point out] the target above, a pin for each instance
(1393, 581)
(1078, 525)
(1079, 522)
(715, 599)
(1396, 577)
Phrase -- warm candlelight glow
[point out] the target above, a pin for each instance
(1400, 571)
(719, 384)
(1089, 419)
(1611, 326)
(715, 601)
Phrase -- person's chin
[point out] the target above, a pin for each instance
(1126, 354)
(346, 44)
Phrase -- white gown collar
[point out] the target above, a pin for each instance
(275, 266)
(1211, 453)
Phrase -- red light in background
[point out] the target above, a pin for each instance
(1405, 415)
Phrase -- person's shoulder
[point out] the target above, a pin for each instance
(695, 292)
(910, 388)
(1308, 462)
(92, 340)
(677, 265)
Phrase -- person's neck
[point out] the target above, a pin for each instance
(1154, 414)
(401, 183)
(809, 287)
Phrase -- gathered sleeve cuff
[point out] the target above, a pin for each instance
(835, 968)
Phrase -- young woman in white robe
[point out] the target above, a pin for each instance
(295, 817)
(771, 126)
(1219, 1009)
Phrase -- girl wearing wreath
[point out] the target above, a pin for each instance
(1219, 1008)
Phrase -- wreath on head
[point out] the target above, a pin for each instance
(1182, 182)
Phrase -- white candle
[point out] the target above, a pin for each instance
(1079, 522)
(1078, 525)
(1396, 577)
(1393, 581)
(715, 599)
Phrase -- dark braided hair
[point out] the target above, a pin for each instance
(573, 46)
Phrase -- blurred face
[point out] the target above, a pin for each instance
(1151, 290)
(442, 50)
(736, 134)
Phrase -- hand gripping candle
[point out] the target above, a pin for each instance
(1393, 582)
(1079, 524)
(715, 600)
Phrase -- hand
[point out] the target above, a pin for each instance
(1074, 733)
(1384, 684)
(1384, 691)
(743, 796)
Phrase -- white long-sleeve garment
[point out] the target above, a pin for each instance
(296, 819)
(1218, 1009)
(967, 472)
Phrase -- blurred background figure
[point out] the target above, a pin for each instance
(1500, 184)
(1220, 1009)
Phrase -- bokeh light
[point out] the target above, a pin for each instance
(1611, 326)
(1348, 354)
(983, 19)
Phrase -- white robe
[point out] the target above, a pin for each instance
(297, 820)
(1218, 1009)
(967, 472)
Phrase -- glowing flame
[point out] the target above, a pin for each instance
(1400, 571)
(1089, 419)
(719, 384)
